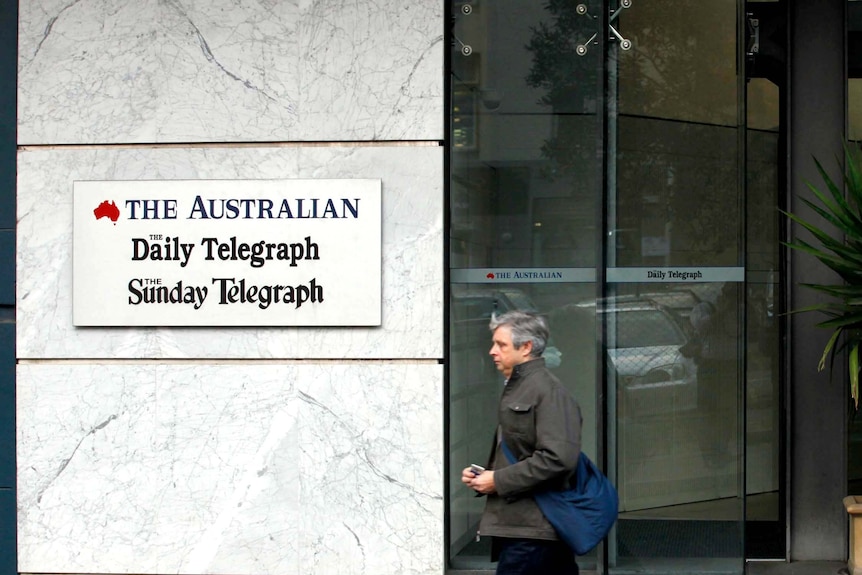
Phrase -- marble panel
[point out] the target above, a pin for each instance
(250, 468)
(412, 182)
(111, 71)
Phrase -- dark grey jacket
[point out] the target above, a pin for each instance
(541, 423)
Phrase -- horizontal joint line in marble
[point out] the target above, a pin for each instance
(231, 361)
(297, 144)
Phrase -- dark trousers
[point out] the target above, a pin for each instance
(533, 557)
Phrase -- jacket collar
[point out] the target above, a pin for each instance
(524, 369)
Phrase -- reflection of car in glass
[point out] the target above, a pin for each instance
(473, 306)
(679, 301)
(478, 303)
(644, 338)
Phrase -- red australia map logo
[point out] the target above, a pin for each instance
(107, 210)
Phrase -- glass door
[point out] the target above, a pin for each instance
(674, 297)
(598, 176)
(527, 124)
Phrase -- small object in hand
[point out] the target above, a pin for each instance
(476, 469)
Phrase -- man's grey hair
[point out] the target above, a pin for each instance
(526, 326)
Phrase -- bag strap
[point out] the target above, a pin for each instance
(507, 452)
(576, 474)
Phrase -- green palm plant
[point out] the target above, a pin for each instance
(841, 207)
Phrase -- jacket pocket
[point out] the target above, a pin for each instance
(520, 420)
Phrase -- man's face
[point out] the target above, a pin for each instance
(504, 353)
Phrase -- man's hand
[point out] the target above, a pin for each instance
(482, 483)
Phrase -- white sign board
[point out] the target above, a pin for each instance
(227, 253)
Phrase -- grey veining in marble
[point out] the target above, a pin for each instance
(412, 182)
(253, 469)
(112, 71)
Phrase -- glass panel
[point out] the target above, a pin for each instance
(552, 178)
(765, 534)
(677, 407)
(524, 197)
(673, 305)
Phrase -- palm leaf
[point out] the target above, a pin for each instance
(813, 250)
(846, 320)
(836, 227)
(841, 216)
(850, 229)
(837, 193)
(841, 291)
(829, 345)
(839, 248)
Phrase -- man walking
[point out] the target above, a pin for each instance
(540, 423)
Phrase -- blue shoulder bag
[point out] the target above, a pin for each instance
(583, 515)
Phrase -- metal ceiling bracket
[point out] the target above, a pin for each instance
(581, 49)
(466, 49)
(625, 43)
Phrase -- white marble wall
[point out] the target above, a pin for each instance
(256, 468)
(233, 450)
(114, 71)
(412, 252)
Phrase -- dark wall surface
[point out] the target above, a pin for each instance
(818, 403)
(8, 88)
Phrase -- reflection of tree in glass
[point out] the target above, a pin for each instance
(672, 187)
(677, 129)
(557, 67)
(569, 80)
(682, 65)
